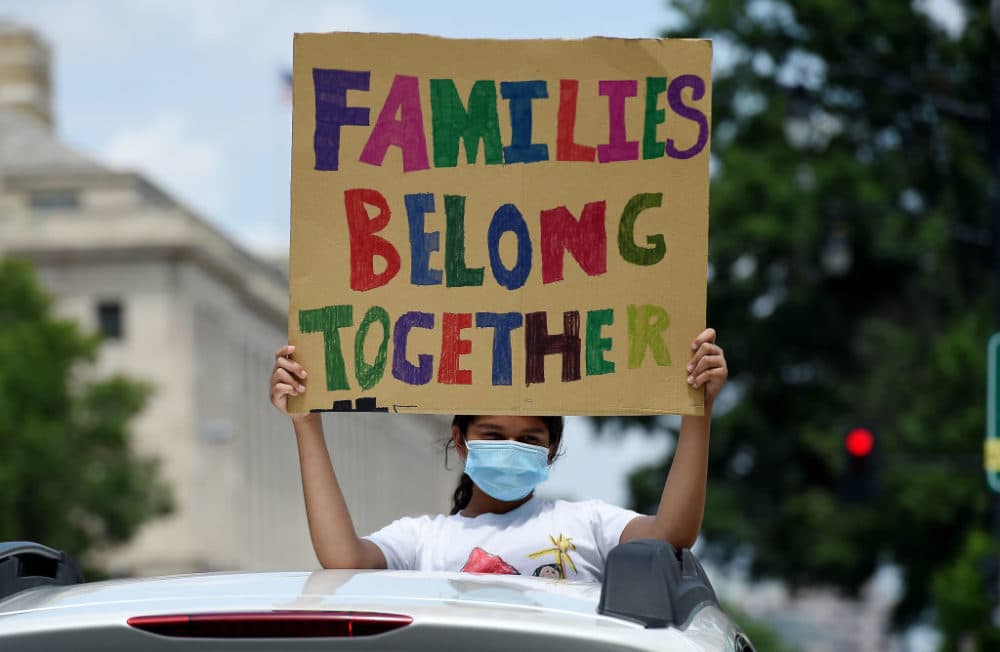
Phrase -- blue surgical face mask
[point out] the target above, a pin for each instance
(506, 470)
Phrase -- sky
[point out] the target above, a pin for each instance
(191, 93)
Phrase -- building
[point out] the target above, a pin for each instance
(183, 307)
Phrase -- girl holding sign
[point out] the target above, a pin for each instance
(496, 524)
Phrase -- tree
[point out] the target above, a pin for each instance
(851, 283)
(68, 478)
(961, 595)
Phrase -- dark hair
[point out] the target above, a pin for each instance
(463, 492)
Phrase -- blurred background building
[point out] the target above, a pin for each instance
(185, 309)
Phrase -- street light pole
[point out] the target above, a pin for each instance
(994, 108)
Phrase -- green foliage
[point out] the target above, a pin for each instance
(960, 596)
(852, 283)
(68, 478)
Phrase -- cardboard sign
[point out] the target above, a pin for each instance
(499, 227)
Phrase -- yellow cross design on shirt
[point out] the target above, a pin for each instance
(561, 548)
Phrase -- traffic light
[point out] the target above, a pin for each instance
(859, 482)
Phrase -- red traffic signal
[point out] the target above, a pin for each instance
(859, 479)
(859, 442)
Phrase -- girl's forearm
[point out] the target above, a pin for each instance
(331, 528)
(682, 504)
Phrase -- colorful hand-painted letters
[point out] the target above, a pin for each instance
(475, 121)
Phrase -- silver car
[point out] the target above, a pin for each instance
(653, 598)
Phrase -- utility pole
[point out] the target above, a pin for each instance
(994, 108)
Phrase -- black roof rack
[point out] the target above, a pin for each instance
(649, 582)
(25, 564)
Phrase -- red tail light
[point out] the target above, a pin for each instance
(271, 624)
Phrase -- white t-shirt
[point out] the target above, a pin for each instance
(541, 537)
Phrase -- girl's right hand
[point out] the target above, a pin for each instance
(286, 379)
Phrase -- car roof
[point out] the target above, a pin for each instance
(550, 613)
(319, 589)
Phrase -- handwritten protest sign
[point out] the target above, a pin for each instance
(501, 227)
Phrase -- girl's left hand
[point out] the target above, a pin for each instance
(708, 365)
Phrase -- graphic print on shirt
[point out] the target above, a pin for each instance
(561, 547)
(549, 571)
(480, 561)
